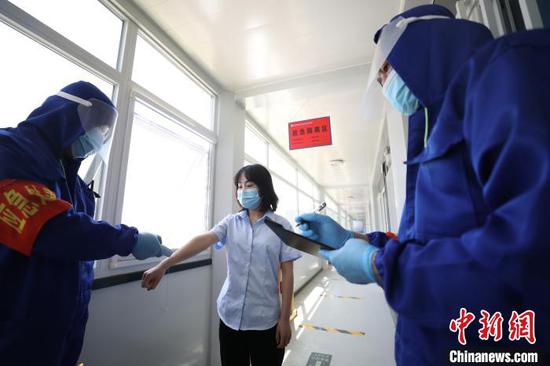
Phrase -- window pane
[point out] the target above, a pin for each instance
(162, 77)
(332, 214)
(167, 179)
(33, 73)
(305, 204)
(331, 204)
(78, 21)
(287, 199)
(255, 146)
(341, 220)
(281, 166)
(305, 184)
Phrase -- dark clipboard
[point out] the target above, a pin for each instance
(294, 240)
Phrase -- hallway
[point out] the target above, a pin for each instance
(329, 301)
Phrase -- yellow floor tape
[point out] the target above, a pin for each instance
(342, 297)
(331, 330)
(294, 314)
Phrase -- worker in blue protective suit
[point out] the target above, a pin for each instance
(474, 232)
(48, 237)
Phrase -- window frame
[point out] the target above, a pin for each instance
(117, 263)
(125, 91)
(159, 47)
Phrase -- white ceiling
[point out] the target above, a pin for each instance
(352, 139)
(291, 60)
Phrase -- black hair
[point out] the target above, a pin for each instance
(262, 178)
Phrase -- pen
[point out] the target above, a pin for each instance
(318, 210)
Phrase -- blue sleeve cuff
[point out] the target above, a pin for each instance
(377, 238)
(379, 264)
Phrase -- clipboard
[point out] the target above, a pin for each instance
(294, 240)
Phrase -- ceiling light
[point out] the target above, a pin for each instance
(336, 162)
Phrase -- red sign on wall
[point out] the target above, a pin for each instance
(309, 133)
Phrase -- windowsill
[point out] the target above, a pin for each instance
(123, 265)
(136, 276)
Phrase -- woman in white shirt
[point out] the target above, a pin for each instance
(254, 326)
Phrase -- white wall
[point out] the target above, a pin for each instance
(305, 268)
(165, 327)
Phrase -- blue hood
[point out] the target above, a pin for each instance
(40, 141)
(430, 52)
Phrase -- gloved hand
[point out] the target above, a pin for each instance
(324, 229)
(150, 245)
(354, 260)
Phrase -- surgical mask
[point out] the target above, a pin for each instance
(399, 95)
(249, 198)
(97, 116)
(87, 144)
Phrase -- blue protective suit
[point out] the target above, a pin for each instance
(45, 295)
(474, 231)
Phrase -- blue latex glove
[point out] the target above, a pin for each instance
(354, 260)
(150, 245)
(324, 229)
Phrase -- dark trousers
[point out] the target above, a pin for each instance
(241, 347)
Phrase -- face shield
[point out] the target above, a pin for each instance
(391, 33)
(95, 115)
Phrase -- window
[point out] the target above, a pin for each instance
(288, 204)
(167, 186)
(341, 219)
(164, 78)
(78, 21)
(281, 166)
(511, 16)
(306, 185)
(255, 146)
(305, 204)
(32, 74)
(168, 167)
(333, 214)
(331, 204)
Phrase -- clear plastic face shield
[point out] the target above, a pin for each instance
(97, 115)
(373, 103)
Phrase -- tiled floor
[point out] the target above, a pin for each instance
(329, 301)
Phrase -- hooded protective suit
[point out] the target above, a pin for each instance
(48, 238)
(474, 232)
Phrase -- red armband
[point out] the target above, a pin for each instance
(391, 235)
(25, 207)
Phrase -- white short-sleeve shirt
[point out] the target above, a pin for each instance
(249, 298)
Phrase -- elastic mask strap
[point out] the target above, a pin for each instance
(74, 98)
(426, 127)
(406, 21)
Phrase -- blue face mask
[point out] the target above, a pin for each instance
(87, 144)
(399, 95)
(249, 198)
